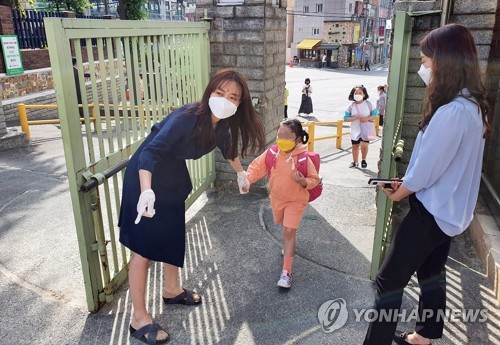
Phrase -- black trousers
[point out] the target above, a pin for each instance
(418, 246)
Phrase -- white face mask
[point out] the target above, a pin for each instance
(425, 73)
(358, 98)
(221, 107)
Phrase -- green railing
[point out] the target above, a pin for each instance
(392, 133)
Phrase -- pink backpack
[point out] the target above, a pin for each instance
(301, 166)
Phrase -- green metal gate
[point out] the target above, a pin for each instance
(137, 73)
(393, 122)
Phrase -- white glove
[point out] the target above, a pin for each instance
(243, 182)
(145, 205)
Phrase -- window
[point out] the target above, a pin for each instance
(306, 9)
(315, 31)
(350, 8)
(319, 8)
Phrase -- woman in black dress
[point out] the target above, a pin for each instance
(157, 183)
(306, 106)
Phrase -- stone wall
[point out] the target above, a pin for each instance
(492, 164)
(11, 114)
(250, 38)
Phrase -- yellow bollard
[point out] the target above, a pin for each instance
(310, 144)
(23, 119)
(340, 125)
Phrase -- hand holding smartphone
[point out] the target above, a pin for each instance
(385, 181)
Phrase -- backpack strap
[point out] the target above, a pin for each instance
(302, 163)
(271, 154)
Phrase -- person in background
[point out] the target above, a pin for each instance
(288, 187)
(323, 61)
(361, 114)
(77, 85)
(367, 62)
(381, 104)
(157, 179)
(285, 102)
(306, 106)
(442, 183)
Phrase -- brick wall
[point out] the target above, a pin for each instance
(250, 38)
(33, 58)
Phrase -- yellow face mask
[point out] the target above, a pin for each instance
(285, 144)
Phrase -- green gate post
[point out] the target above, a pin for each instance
(60, 55)
(392, 128)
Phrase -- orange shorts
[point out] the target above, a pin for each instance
(288, 213)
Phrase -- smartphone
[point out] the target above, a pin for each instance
(385, 181)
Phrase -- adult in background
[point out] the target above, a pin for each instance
(285, 103)
(367, 62)
(381, 103)
(306, 106)
(442, 183)
(157, 179)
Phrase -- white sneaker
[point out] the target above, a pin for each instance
(285, 280)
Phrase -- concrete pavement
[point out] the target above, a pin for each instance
(233, 254)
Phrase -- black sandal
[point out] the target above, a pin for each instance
(401, 338)
(185, 298)
(152, 331)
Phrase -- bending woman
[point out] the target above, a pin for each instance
(157, 183)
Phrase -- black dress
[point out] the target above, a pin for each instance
(163, 152)
(306, 106)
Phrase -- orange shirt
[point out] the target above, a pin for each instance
(281, 184)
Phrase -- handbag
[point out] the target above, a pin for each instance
(368, 131)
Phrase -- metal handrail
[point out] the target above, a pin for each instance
(97, 179)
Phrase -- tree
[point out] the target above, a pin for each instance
(132, 9)
(17, 4)
(77, 6)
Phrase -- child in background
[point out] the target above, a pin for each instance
(288, 187)
(361, 115)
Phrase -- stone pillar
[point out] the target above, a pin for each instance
(3, 125)
(6, 24)
(6, 28)
(250, 37)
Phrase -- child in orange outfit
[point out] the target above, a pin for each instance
(288, 187)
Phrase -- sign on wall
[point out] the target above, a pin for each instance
(11, 54)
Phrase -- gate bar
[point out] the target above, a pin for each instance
(97, 179)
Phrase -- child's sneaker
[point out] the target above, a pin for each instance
(353, 165)
(363, 164)
(285, 280)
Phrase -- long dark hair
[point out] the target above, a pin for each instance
(245, 122)
(455, 66)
